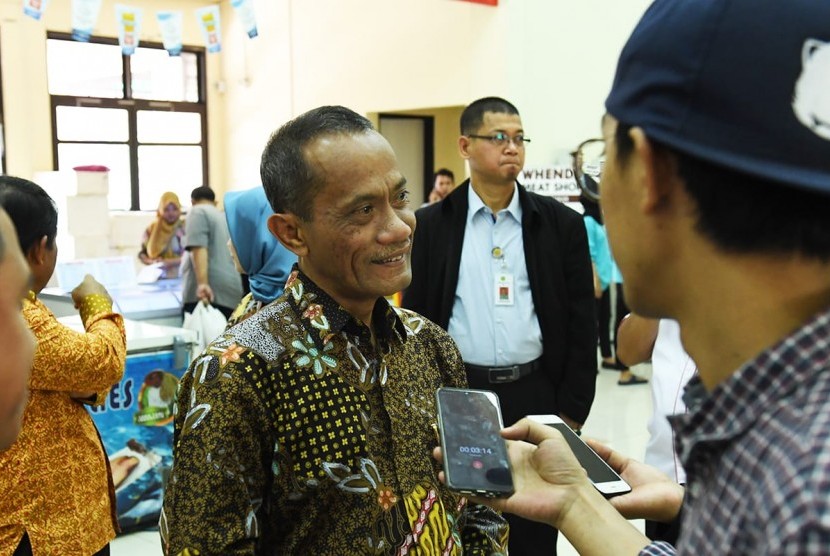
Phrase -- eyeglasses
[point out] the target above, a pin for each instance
(500, 139)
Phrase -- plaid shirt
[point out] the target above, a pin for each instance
(757, 454)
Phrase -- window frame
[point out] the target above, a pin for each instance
(133, 106)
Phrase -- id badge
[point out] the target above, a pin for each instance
(504, 289)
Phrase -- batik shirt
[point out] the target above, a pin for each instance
(246, 308)
(55, 481)
(757, 454)
(295, 433)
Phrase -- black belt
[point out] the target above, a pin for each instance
(507, 373)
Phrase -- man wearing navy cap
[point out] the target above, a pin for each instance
(716, 194)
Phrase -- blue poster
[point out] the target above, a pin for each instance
(136, 426)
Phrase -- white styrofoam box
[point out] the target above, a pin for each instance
(127, 228)
(92, 247)
(88, 215)
(93, 183)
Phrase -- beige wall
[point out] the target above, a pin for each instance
(445, 138)
(553, 59)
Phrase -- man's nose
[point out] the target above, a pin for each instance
(512, 145)
(398, 227)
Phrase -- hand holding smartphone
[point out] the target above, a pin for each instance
(475, 454)
(605, 479)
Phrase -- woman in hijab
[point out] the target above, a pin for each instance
(255, 251)
(163, 240)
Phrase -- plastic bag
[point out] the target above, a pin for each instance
(207, 321)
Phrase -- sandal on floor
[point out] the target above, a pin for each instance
(633, 380)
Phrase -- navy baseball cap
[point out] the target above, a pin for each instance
(744, 84)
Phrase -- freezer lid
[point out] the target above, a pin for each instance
(142, 336)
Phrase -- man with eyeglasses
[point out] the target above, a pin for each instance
(507, 273)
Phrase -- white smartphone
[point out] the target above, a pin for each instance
(605, 479)
(475, 454)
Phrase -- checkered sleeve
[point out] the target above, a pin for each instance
(658, 548)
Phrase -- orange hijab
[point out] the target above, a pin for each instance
(161, 231)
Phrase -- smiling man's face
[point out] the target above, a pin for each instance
(359, 238)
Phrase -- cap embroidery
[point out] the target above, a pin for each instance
(811, 100)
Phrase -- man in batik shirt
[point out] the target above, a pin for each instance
(307, 429)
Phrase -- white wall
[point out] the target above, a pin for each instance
(553, 59)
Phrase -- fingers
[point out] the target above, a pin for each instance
(615, 460)
(529, 431)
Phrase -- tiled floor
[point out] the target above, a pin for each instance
(618, 418)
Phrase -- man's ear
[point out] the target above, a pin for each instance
(463, 146)
(287, 228)
(37, 252)
(658, 172)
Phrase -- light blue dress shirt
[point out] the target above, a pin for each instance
(486, 333)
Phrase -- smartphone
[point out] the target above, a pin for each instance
(604, 478)
(475, 454)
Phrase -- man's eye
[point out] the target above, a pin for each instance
(403, 196)
(364, 210)
(500, 136)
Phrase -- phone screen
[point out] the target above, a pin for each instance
(598, 470)
(475, 454)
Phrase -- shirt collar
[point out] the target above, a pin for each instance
(323, 317)
(735, 405)
(476, 205)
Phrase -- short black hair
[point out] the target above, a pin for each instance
(31, 209)
(743, 213)
(443, 172)
(289, 181)
(203, 193)
(473, 116)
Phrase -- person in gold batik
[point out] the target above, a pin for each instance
(57, 495)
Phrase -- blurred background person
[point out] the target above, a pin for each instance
(57, 491)
(255, 251)
(443, 181)
(640, 339)
(16, 340)
(627, 378)
(208, 272)
(163, 240)
(601, 264)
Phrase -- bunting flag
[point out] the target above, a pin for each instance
(170, 24)
(129, 27)
(245, 10)
(485, 2)
(35, 8)
(84, 17)
(209, 21)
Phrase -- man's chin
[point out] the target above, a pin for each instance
(513, 172)
(393, 285)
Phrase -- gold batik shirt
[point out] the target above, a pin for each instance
(55, 479)
(294, 434)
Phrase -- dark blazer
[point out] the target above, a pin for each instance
(561, 282)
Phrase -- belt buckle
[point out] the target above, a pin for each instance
(503, 374)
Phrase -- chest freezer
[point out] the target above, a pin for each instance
(136, 420)
(156, 303)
